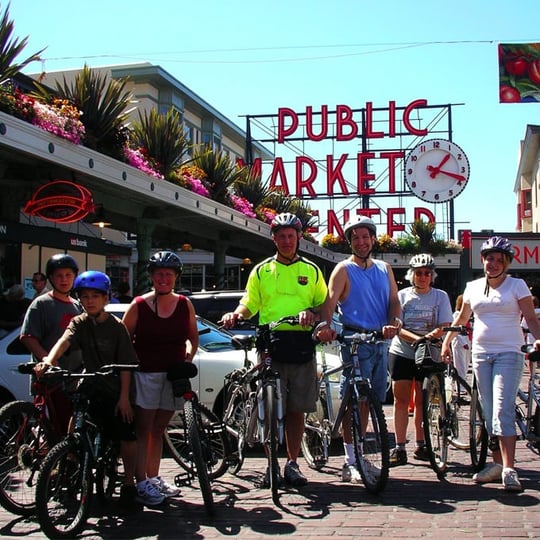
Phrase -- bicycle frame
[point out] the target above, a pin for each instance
(528, 410)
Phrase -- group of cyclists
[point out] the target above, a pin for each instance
(159, 330)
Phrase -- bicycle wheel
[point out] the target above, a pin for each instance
(24, 442)
(64, 490)
(316, 439)
(370, 437)
(460, 409)
(271, 441)
(435, 422)
(478, 437)
(107, 474)
(177, 442)
(237, 413)
(193, 425)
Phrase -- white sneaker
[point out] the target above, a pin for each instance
(490, 473)
(510, 480)
(166, 489)
(349, 473)
(149, 494)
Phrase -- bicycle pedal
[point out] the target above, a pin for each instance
(183, 479)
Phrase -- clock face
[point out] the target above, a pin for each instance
(436, 170)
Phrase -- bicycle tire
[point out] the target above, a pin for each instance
(176, 440)
(316, 438)
(107, 476)
(64, 490)
(197, 456)
(460, 408)
(371, 442)
(25, 439)
(434, 409)
(271, 438)
(478, 437)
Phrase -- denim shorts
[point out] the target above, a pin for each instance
(373, 360)
(498, 377)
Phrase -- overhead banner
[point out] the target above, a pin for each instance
(519, 73)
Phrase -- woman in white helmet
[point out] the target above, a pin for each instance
(425, 310)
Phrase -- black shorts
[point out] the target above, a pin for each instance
(102, 412)
(403, 369)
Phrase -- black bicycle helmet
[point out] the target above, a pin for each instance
(355, 223)
(92, 279)
(285, 220)
(165, 259)
(422, 260)
(497, 244)
(61, 260)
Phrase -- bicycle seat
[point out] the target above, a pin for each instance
(242, 341)
(184, 370)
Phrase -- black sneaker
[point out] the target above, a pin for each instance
(398, 457)
(128, 503)
(421, 453)
(265, 482)
(293, 476)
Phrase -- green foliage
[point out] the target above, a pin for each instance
(424, 232)
(251, 187)
(10, 48)
(163, 137)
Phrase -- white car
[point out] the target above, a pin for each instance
(214, 359)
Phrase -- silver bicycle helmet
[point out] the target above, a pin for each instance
(359, 221)
(285, 220)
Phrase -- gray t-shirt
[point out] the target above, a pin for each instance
(421, 313)
(46, 320)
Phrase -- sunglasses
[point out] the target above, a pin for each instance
(426, 273)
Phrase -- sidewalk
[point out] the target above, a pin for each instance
(414, 504)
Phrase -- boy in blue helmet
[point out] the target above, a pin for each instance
(102, 340)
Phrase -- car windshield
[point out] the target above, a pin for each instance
(211, 338)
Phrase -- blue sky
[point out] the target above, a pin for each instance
(254, 57)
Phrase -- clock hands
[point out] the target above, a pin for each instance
(459, 177)
(434, 171)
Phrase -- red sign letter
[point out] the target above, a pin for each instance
(283, 132)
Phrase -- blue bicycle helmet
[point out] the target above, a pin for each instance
(497, 244)
(92, 279)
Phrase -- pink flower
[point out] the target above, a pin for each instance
(136, 159)
(243, 205)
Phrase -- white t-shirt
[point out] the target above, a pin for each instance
(496, 316)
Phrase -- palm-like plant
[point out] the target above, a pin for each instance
(221, 171)
(251, 187)
(104, 105)
(163, 137)
(424, 231)
(10, 48)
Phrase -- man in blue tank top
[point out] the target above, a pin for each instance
(364, 291)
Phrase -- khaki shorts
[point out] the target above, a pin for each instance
(154, 392)
(299, 386)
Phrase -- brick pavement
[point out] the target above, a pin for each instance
(415, 504)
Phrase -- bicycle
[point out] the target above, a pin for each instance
(370, 431)
(28, 430)
(199, 456)
(528, 404)
(451, 411)
(84, 458)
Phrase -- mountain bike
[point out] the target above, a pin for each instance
(370, 432)
(451, 411)
(27, 432)
(85, 458)
(199, 457)
(528, 404)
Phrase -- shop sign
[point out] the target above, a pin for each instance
(60, 201)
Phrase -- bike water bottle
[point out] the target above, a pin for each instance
(448, 382)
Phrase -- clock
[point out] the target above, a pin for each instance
(436, 170)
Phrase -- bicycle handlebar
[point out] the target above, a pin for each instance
(109, 369)
(461, 329)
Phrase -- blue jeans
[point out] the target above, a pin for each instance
(498, 377)
(373, 360)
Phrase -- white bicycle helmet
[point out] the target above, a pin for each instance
(422, 260)
(355, 223)
(285, 220)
